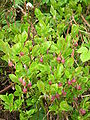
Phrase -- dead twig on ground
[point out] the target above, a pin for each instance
(7, 88)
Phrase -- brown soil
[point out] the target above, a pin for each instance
(6, 115)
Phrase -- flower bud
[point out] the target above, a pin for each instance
(21, 80)
(29, 84)
(69, 82)
(82, 112)
(21, 54)
(73, 80)
(10, 64)
(57, 95)
(64, 93)
(41, 59)
(52, 98)
(63, 61)
(78, 87)
(58, 59)
(24, 83)
(50, 82)
(59, 84)
(24, 90)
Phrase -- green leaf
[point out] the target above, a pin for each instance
(38, 14)
(61, 43)
(11, 97)
(75, 30)
(16, 93)
(58, 72)
(85, 39)
(45, 1)
(78, 70)
(18, 103)
(84, 80)
(68, 39)
(46, 45)
(53, 108)
(23, 116)
(30, 112)
(18, 2)
(85, 56)
(54, 88)
(69, 62)
(64, 106)
(24, 36)
(25, 59)
(60, 68)
(8, 101)
(52, 11)
(13, 78)
(53, 2)
(41, 86)
(35, 50)
(16, 48)
(86, 117)
(5, 57)
(19, 67)
(14, 58)
(18, 88)
(53, 48)
(31, 101)
(3, 97)
(79, 10)
(68, 74)
(82, 50)
(4, 46)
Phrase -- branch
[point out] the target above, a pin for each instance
(84, 32)
(46, 116)
(80, 30)
(85, 20)
(6, 88)
(21, 9)
(85, 95)
(74, 20)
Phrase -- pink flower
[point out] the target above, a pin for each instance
(10, 64)
(52, 98)
(57, 95)
(58, 59)
(64, 93)
(59, 84)
(82, 112)
(41, 59)
(69, 82)
(21, 80)
(63, 61)
(14, 66)
(24, 83)
(73, 80)
(78, 87)
(21, 53)
(29, 84)
(76, 44)
(50, 82)
(25, 90)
